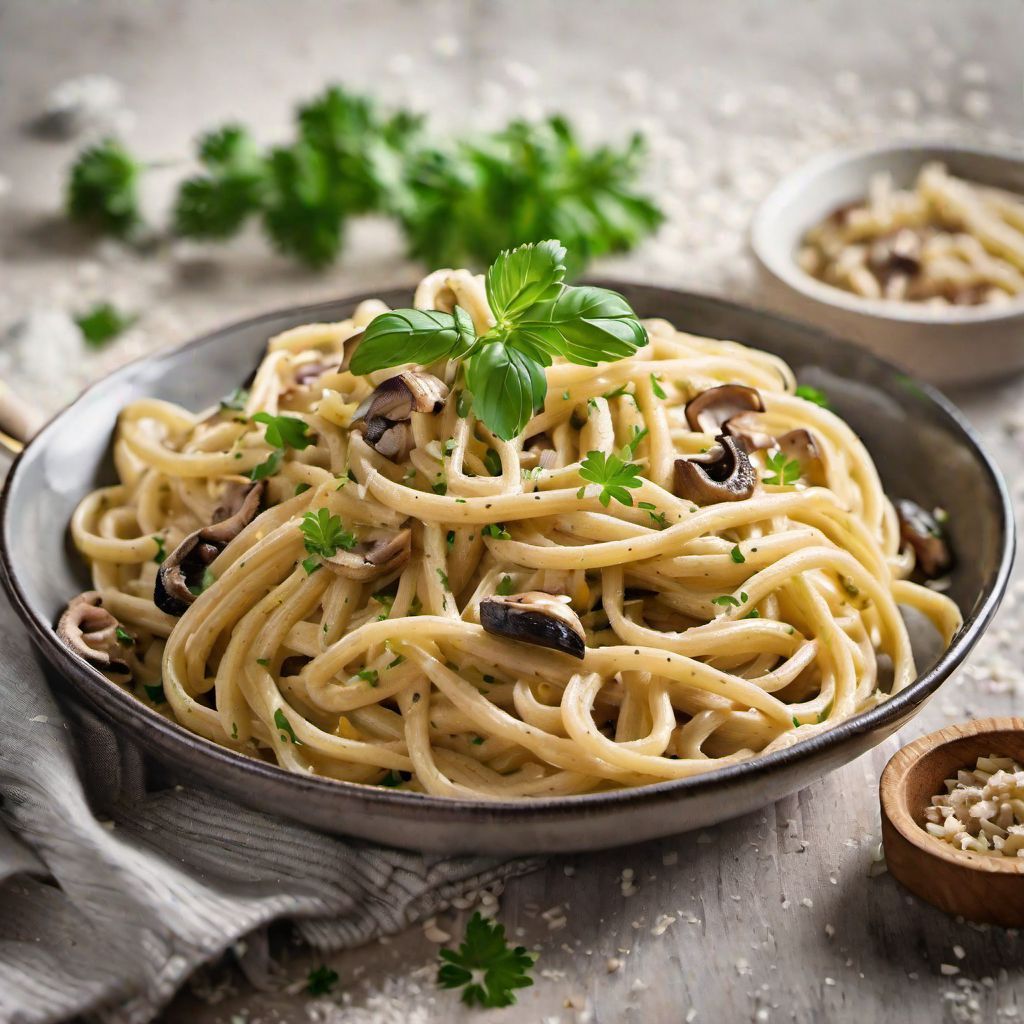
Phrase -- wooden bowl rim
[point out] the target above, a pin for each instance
(892, 797)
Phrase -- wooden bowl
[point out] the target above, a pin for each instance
(977, 886)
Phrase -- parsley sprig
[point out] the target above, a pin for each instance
(485, 967)
(282, 432)
(324, 534)
(103, 322)
(537, 318)
(102, 189)
(348, 157)
(784, 471)
(615, 473)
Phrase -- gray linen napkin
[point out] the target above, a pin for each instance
(109, 918)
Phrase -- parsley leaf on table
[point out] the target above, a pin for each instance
(217, 203)
(303, 216)
(321, 980)
(102, 323)
(784, 471)
(364, 151)
(485, 967)
(614, 475)
(102, 188)
(525, 182)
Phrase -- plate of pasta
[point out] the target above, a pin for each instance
(505, 565)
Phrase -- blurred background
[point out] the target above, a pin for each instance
(724, 103)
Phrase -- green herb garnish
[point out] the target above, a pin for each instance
(485, 967)
(737, 555)
(369, 675)
(443, 577)
(505, 586)
(538, 317)
(497, 531)
(156, 693)
(613, 474)
(784, 471)
(725, 601)
(659, 391)
(236, 400)
(123, 636)
(805, 391)
(161, 550)
(287, 732)
(324, 534)
(285, 431)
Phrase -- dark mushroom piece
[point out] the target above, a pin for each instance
(545, 620)
(723, 473)
(383, 417)
(180, 577)
(370, 559)
(921, 530)
(800, 445)
(89, 630)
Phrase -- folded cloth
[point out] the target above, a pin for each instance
(109, 917)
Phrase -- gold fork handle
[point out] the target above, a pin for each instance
(19, 421)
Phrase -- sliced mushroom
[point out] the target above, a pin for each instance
(723, 473)
(307, 373)
(535, 618)
(921, 530)
(350, 346)
(383, 417)
(400, 396)
(746, 428)
(801, 445)
(370, 559)
(180, 577)
(91, 632)
(711, 410)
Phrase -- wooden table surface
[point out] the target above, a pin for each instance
(786, 914)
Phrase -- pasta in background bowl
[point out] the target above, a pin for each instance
(567, 790)
(941, 297)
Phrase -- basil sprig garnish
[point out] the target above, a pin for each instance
(537, 316)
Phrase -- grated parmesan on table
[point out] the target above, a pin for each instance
(982, 810)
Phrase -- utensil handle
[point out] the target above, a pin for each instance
(19, 420)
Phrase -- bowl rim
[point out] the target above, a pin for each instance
(784, 268)
(383, 800)
(893, 797)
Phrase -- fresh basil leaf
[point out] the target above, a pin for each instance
(524, 276)
(413, 336)
(586, 325)
(507, 386)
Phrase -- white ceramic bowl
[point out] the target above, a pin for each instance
(945, 345)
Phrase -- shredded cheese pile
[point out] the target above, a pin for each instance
(982, 810)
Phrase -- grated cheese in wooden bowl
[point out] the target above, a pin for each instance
(983, 809)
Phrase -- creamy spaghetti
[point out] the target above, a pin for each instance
(943, 242)
(487, 622)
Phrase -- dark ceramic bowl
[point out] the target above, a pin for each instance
(923, 448)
